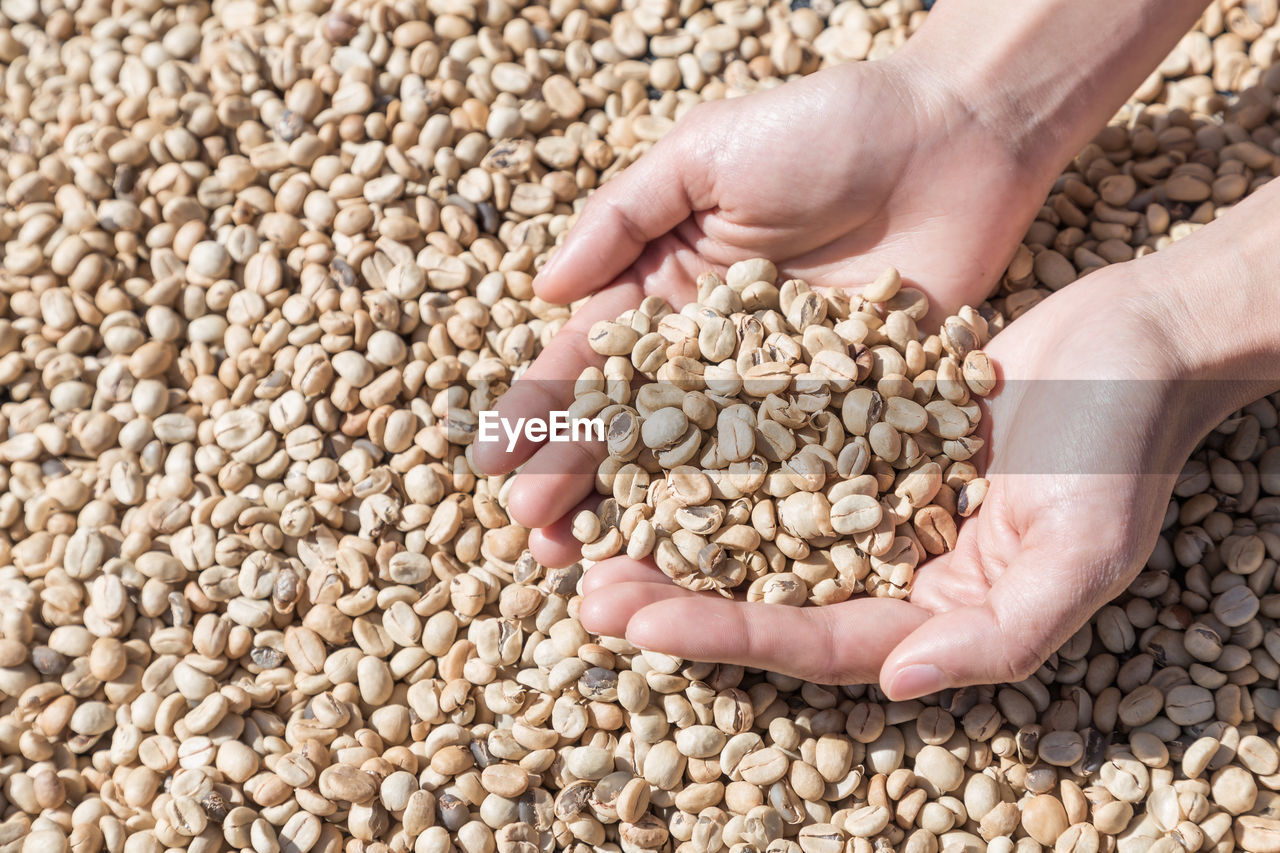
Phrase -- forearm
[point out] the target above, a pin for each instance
(1047, 74)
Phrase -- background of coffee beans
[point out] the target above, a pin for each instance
(262, 264)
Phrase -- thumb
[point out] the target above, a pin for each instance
(644, 201)
(1042, 597)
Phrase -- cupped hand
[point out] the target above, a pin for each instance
(1089, 427)
(834, 177)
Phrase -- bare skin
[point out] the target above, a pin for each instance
(933, 161)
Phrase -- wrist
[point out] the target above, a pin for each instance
(1213, 299)
(1045, 76)
(973, 93)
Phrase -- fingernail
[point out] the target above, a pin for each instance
(547, 269)
(916, 680)
(630, 638)
(587, 618)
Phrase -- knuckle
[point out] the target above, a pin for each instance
(1021, 662)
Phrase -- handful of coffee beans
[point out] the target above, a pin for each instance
(807, 445)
